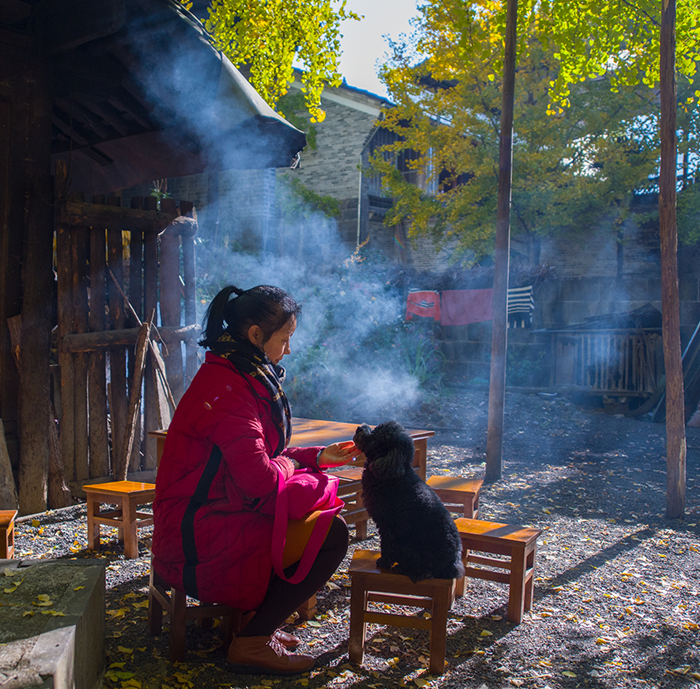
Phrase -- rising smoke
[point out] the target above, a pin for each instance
(353, 357)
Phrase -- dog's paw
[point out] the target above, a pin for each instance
(385, 562)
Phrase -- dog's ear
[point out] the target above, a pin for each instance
(391, 465)
(362, 436)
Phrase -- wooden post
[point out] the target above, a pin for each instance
(188, 261)
(133, 412)
(117, 357)
(8, 492)
(150, 301)
(136, 300)
(65, 326)
(675, 408)
(170, 300)
(79, 247)
(97, 380)
(37, 283)
(499, 341)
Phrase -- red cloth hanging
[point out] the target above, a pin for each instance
(464, 306)
(423, 303)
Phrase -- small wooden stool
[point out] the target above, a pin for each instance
(161, 597)
(7, 534)
(458, 494)
(369, 583)
(517, 543)
(127, 495)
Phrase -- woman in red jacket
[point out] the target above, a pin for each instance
(227, 441)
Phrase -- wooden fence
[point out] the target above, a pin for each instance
(115, 267)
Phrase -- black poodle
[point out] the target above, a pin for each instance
(418, 537)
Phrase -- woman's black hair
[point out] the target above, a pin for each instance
(234, 310)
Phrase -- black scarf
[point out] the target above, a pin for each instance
(247, 358)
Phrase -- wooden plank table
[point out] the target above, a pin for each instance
(311, 432)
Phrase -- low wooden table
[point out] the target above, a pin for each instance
(311, 432)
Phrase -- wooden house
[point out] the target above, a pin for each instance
(95, 96)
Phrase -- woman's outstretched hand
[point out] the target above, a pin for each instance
(337, 454)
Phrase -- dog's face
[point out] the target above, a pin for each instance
(388, 448)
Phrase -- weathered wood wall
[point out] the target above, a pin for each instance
(106, 254)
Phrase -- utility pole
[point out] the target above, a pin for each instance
(499, 340)
(673, 365)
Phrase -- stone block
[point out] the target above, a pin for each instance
(64, 648)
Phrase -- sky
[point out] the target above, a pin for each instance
(363, 43)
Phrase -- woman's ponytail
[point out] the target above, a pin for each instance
(216, 315)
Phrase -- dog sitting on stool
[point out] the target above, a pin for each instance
(418, 537)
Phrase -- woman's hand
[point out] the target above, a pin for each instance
(337, 454)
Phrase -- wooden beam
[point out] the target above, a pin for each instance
(126, 337)
(67, 24)
(112, 217)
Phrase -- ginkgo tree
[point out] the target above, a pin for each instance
(651, 42)
(267, 38)
(572, 165)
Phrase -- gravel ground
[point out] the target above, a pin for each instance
(616, 590)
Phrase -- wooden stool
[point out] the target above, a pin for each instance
(7, 534)
(458, 494)
(161, 597)
(369, 583)
(517, 543)
(127, 495)
(350, 492)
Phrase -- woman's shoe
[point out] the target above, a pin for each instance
(286, 639)
(266, 655)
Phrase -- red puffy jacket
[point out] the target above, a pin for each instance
(218, 549)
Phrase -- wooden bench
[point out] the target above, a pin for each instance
(517, 543)
(7, 534)
(460, 495)
(371, 584)
(127, 495)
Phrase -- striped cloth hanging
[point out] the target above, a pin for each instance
(521, 304)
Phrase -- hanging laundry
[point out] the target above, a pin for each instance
(423, 303)
(464, 306)
(521, 304)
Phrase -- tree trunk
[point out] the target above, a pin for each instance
(499, 340)
(675, 409)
